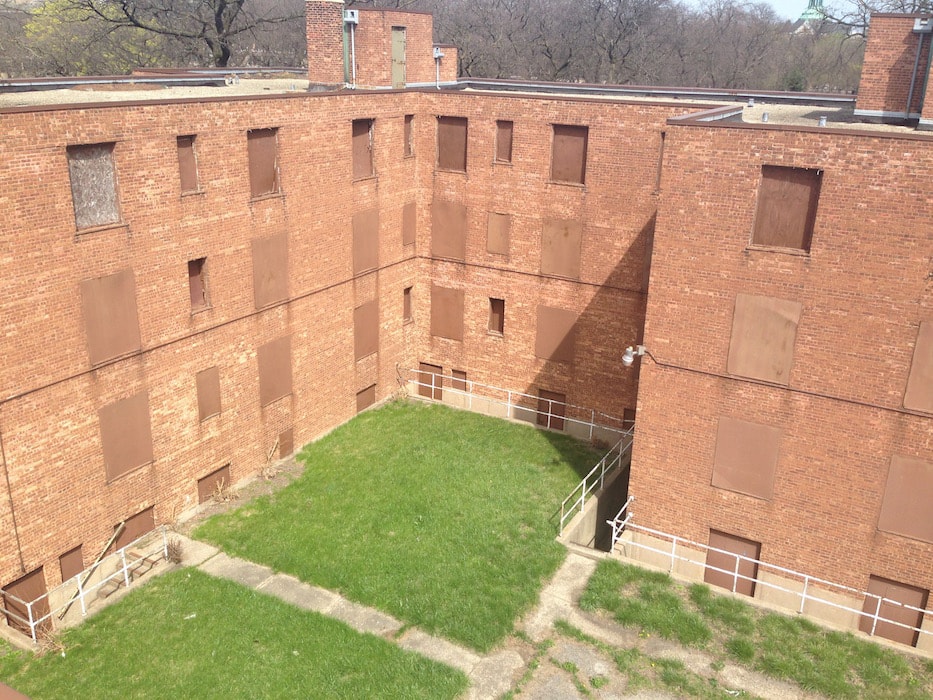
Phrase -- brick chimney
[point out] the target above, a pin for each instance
(324, 21)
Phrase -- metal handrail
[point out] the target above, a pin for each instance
(590, 482)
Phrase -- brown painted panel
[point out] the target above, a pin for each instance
(406, 304)
(208, 384)
(458, 380)
(556, 334)
(365, 398)
(409, 136)
(733, 545)
(568, 154)
(409, 223)
(882, 588)
(197, 283)
(217, 480)
(71, 563)
(764, 330)
(560, 247)
(136, 526)
(126, 434)
(366, 329)
(496, 316)
(907, 507)
(446, 312)
(28, 588)
(448, 230)
(263, 168)
(362, 148)
(746, 457)
(552, 408)
(452, 143)
(497, 233)
(93, 185)
(286, 443)
(275, 370)
(787, 200)
(270, 269)
(187, 164)
(919, 394)
(430, 381)
(365, 240)
(110, 319)
(504, 141)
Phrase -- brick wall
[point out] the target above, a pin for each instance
(374, 46)
(324, 23)
(890, 56)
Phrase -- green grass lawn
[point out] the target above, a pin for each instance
(188, 635)
(443, 518)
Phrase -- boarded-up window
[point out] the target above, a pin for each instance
(208, 384)
(93, 185)
(556, 333)
(270, 270)
(365, 398)
(409, 136)
(275, 370)
(504, 142)
(187, 164)
(430, 381)
(919, 394)
(362, 148)
(263, 165)
(136, 526)
(560, 247)
(907, 507)
(71, 563)
(497, 233)
(552, 408)
(126, 434)
(213, 484)
(365, 329)
(446, 312)
(886, 599)
(110, 319)
(458, 379)
(448, 230)
(409, 223)
(197, 283)
(26, 589)
(286, 443)
(746, 457)
(735, 566)
(787, 200)
(568, 154)
(406, 305)
(763, 334)
(452, 143)
(496, 316)
(365, 241)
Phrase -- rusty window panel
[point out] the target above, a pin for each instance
(136, 526)
(275, 370)
(552, 409)
(93, 185)
(286, 443)
(448, 230)
(452, 143)
(446, 312)
(430, 381)
(497, 316)
(363, 149)
(197, 283)
(882, 590)
(919, 393)
(409, 223)
(110, 319)
(126, 434)
(29, 588)
(568, 154)
(555, 334)
(561, 242)
(208, 386)
(270, 269)
(908, 499)
(497, 233)
(458, 380)
(263, 162)
(409, 135)
(746, 457)
(764, 331)
(734, 547)
(365, 241)
(187, 164)
(504, 141)
(365, 329)
(215, 482)
(71, 563)
(365, 398)
(407, 316)
(787, 201)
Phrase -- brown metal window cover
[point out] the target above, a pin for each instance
(552, 408)
(217, 480)
(881, 590)
(362, 148)
(365, 240)
(556, 334)
(365, 398)
(409, 143)
(208, 385)
(497, 233)
(110, 319)
(448, 230)
(746, 457)
(187, 164)
(136, 526)
(504, 141)
(452, 143)
(365, 329)
(787, 201)
(270, 269)
(406, 304)
(568, 154)
(197, 283)
(430, 381)
(275, 370)
(29, 588)
(764, 330)
(286, 443)
(126, 434)
(446, 312)
(561, 241)
(496, 316)
(263, 165)
(919, 394)
(908, 499)
(409, 223)
(458, 379)
(71, 563)
(93, 185)
(747, 570)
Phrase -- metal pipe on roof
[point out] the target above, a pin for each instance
(913, 77)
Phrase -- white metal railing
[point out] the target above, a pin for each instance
(812, 586)
(595, 479)
(76, 591)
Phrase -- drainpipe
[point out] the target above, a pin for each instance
(921, 26)
(438, 55)
(913, 77)
(9, 491)
(353, 53)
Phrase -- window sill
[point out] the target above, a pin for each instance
(797, 252)
(131, 470)
(365, 178)
(577, 185)
(193, 193)
(201, 309)
(408, 156)
(81, 232)
(506, 163)
(496, 334)
(407, 321)
(448, 170)
(269, 195)
(207, 418)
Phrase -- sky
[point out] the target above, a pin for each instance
(788, 9)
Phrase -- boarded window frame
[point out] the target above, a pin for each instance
(263, 157)
(785, 212)
(763, 338)
(187, 164)
(363, 135)
(496, 316)
(908, 499)
(214, 484)
(880, 591)
(561, 248)
(447, 312)
(407, 314)
(555, 334)
(274, 362)
(135, 527)
(449, 227)
(365, 398)
(111, 319)
(452, 144)
(197, 284)
(498, 230)
(458, 380)
(733, 547)
(207, 385)
(71, 563)
(505, 130)
(409, 223)
(126, 435)
(94, 186)
(918, 395)
(552, 409)
(366, 330)
(270, 270)
(746, 457)
(365, 226)
(430, 381)
(569, 144)
(28, 588)
(408, 136)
